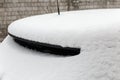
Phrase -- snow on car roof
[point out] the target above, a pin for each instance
(68, 29)
(99, 38)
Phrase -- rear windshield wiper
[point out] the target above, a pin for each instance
(46, 48)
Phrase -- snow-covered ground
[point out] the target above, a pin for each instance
(99, 40)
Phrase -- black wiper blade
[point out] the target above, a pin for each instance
(46, 48)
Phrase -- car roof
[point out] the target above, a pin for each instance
(66, 29)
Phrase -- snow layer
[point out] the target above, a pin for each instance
(98, 61)
(69, 28)
(99, 58)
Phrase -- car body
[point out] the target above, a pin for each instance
(95, 32)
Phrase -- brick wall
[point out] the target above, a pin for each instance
(11, 10)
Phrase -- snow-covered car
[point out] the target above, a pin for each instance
(94, 33)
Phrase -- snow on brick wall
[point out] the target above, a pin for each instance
(11, 10)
